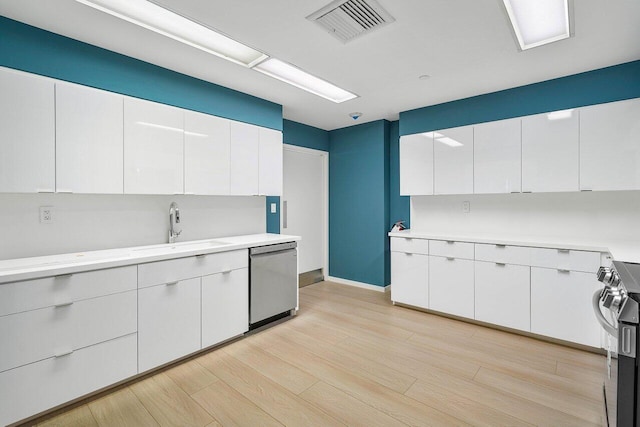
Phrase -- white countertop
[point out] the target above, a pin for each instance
(621, 250)
(36, 267)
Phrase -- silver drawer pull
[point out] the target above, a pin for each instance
(408, 239)
(201, 255)
(563, 251)
(64, 276)
(408, 253)
(450, 242)
(450, 258)
(172, 283)
(63, 304)
(226, 271)
(501, 246)
(500, 264)
(563, 270)
(62, 353)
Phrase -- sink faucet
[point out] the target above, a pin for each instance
(174, 218)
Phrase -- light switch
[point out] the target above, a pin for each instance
(273, 208)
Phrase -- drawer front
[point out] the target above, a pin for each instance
(173, 270)
(562, 259)
(40, 334)
(451, 249)
(28, 295)
(504, 254)
(451, 286)
(33, 388)
(410, 245)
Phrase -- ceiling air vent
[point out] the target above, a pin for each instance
(347, 20)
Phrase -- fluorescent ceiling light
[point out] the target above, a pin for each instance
(294, 76)
(559, 115)
(538, 22)
(155, 18)
(450, 142)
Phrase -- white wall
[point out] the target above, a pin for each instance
(92, 222)
(594, 217)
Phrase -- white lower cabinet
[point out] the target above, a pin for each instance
(503, 294)
(451, 288)
(561, 305)
(168, 322)
(224, 297)
(410, 279)
(36, 387)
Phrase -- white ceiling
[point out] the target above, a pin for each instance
(466, 46)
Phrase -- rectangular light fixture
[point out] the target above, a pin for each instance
(538, 22)
(163, 21)
(295, 76)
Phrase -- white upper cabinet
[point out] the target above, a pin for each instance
(550, 152)
(497, 164)
(453, 160)
(89, 140)
(270, 169)
(153, 148)
(27, 133)
(610, 146)
(245, 159)
(416, 164)
(206, 154)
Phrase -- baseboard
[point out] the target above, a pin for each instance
(358, 284)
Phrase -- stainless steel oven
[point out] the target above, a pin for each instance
(616, 307)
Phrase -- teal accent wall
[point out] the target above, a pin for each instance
(302, 135)
(273, 219)
(359, 203)
(594, 87)
(399, 206)
(37, 51)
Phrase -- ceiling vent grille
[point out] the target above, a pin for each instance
(347, 20)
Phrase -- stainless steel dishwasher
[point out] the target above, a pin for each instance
(273, 283)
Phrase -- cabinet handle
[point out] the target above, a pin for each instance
(526, 191)
(172, 283)
(63, 304)
(586, 189)
(500, 264)
(200, 255)
(284, 214)
(62, 353)
(450, 242)
(64, 276)
(516, 192)
(226, 271)
(408, 239)
(408, 253)
(563, 251)
(501, 246)
(563, 270)
(450, 258)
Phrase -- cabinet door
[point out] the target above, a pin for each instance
(153, 148)
(416, 164)
(550, 152)
(206, 154)
(168, 322)
(89, 140)
(453, 161)
(503, 294)
(225, 306)
(561, 305)
(451, 287)
(270, 180)
(245, 159)
(27, 133)
(410, 279)
(497, 166)
(609, 146)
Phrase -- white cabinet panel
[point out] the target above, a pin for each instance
(416, 164)
(89, 140)
(497, 164)
(168, 322)
(561, 305)
(206, 154)
(451, 288)
(245, 159)
(153, 148)
(453, 161)
(410, 279)
(610, 147)
(225, 306)
(270, 159)
(550, 152)
(409, 244)
(27, 133)
(503, 294)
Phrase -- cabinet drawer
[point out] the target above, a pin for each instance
(451, 249)
(27, 295)
(33, 388)
(40, 334)
(173, 270)
(562, 259)
(519, 255)
(410, 245)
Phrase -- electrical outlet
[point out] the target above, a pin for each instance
(46, 214)
(466, 207)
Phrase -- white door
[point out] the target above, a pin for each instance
(304, 204)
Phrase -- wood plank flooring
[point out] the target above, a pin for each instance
(352, 358)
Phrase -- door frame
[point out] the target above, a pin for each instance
(324, 155)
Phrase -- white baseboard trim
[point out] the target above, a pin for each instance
(358, 284)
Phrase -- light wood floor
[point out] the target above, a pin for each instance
(351, 358)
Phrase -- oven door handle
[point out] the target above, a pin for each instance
(612, 330)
